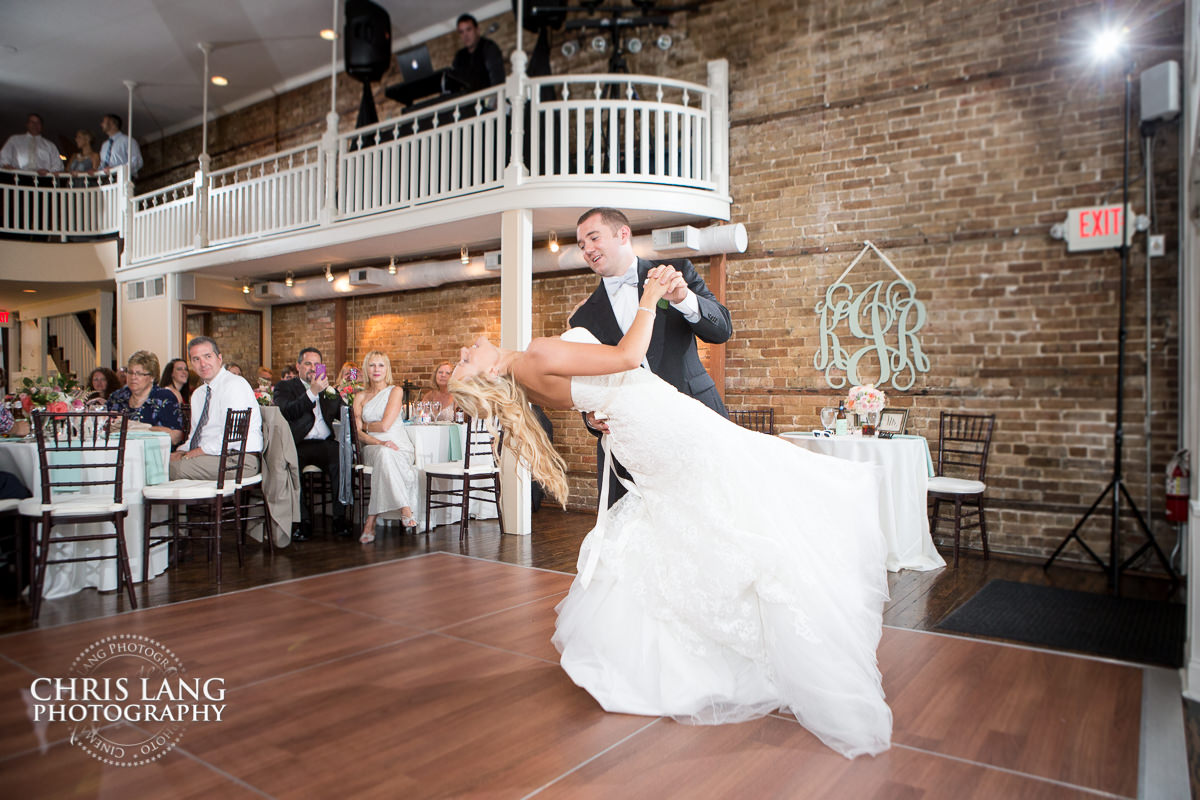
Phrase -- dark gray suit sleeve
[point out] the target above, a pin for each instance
(494, 61)
(715, 325)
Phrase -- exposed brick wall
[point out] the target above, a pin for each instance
(238, 334)
(952, 134)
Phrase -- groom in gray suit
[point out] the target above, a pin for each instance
(605, 236)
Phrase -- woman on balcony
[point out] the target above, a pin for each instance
(143, 400)
(177, 378)
(386, 446)
(440, 393)
(86, 159)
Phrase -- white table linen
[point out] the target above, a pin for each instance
(434, 444)
(20, 457)
(905, 464)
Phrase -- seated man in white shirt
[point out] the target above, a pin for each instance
(198, 458)
(119, 149)
(30, 150)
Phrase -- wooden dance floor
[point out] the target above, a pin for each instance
(434, 676)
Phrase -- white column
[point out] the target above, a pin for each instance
(515, 172)
(516, 329)
(718, 82)
(104, 327)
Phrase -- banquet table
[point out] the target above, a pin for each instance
(145, 465)
(436, 443)
(906, 469)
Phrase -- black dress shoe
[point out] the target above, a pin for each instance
(341, 526)
(302, 533)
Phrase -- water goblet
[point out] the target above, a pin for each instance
(828, 417)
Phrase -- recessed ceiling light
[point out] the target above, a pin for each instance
(328, 35)
(29, 291)
(220, 80)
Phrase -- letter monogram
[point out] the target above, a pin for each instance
(886, 320)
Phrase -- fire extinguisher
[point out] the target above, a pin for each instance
(1179, 475)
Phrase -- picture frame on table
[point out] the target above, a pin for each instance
(892, 422)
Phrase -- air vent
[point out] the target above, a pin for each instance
(144, 290)
(368, 276)
(684, 239)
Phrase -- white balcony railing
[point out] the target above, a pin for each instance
(61, 203)
(590, 128)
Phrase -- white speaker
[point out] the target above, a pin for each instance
(185, 286)
(1160, 91)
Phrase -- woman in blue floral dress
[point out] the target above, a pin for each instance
(142, 400)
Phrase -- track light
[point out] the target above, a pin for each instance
(289, 280)
(634, 45)
(553, 245)
(392, 266)
(664, 42)
(1108, 43)
(599, 44)
(328, 274)
(570, 48)
(464, 256)
(245, 288)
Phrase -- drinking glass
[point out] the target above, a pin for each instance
(437, 407)
(828, 417)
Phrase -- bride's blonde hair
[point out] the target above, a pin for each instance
(485, 396)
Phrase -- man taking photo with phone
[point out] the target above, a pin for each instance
(311, 407)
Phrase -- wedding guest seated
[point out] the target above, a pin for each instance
(386, 446)
(440, 393)
(347, 374)
(143, 400)
(221, 390)
(235, 368)
(102, 382)
(265, 377)
(288, 373)
(177, 378)
(85, 159)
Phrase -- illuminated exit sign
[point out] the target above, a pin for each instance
(1096, 228)
(3, 317)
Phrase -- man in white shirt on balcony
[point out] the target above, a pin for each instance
(199, 457)
(30, 150)
(119, 149)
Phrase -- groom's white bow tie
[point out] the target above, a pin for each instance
(614, 283)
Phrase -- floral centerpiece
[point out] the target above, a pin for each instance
(349, 388)
(264, 395)
(867, 402)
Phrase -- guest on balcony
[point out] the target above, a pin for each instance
(178, 379)
(199, 458)
(85, 159)
(30, 150)
(119, 149)
(479, 63)
(103, 382)
(386, 446)
(311, 406)
(440, 393)
(143, 400)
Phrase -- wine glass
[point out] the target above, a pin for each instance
(828, 417)
(437, 407)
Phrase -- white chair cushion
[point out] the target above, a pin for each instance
(71, 505)
(252, 480)
(456, 468)
(309, 469)
(364, 469)
(956, 486)
(9, 504)
(187, 490)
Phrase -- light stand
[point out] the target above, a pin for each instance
(1117, 485)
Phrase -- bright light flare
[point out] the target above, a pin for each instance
(1108, 43)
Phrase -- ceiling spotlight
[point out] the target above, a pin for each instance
(328, 274)
(599, 44)
(329, 34)
(570, 48)
(1108, 43)
(392, 266)
(219, 80)
(245, 288)
(665, 41)
(289, 280)
(553, 245)
(464, 256)
(634, 45)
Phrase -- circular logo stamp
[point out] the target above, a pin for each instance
(128, 699)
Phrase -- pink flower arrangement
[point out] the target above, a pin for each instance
(264, 396)
(58, 407)
(866, 399)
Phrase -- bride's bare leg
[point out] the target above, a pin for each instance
(368, 531)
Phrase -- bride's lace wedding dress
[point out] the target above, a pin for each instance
(740, 575)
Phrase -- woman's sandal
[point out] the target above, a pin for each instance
(367, 538)
(409, 523)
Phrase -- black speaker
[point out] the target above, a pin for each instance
(368, 34)
(535, 19)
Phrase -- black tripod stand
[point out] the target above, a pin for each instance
(1117, 485)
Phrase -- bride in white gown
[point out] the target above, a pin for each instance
(386, 446)
(740, 575)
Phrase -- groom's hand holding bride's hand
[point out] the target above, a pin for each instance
(675, 288)
(658, 281)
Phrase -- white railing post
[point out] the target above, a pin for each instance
(126, 200)
(718, 84)
(516, 173)
(200, 195)
(329, 162)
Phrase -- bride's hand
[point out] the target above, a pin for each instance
(653, 289)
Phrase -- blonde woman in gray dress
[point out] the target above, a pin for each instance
(386, 446)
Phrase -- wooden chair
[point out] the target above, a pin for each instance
(82, 460)
(963, 445)
(360, 481)
(209, 504)
(464, 477)
(760, 419)
(315, 490)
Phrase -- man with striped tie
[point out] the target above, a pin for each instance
(118, 149)
(198, 458)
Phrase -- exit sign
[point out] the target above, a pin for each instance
(1097, 228)
(3, 317)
